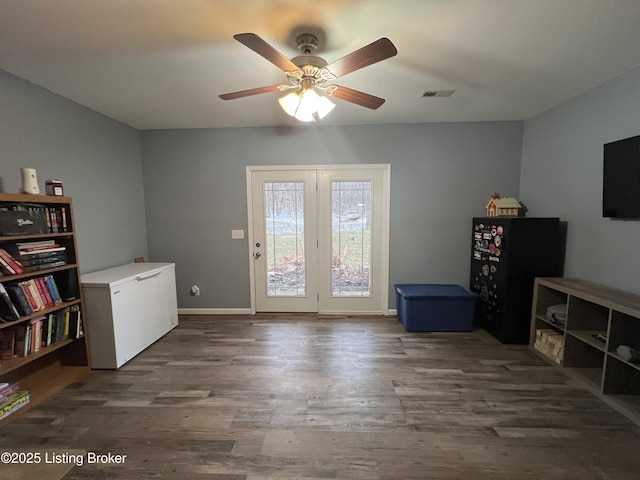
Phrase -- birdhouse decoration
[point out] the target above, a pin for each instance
(500, 206)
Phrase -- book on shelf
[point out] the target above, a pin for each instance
(33, 247)
(65, 219)
(61, 319)
(36, 333)
(68, 285)
(67, 316)
(57, 219)
(47, 330)
(19, 298)
(43, 290)
(39, 248)
(53, 257)
(7, 389)
(7, 343)
(14, 402)
(8, 311)
(27, 339)
(75, 322)
(33, 287)
(20, 346)
(49, 252)
(45, 266)
(35, 243)
(8, 263)
(37, 253)
(4, 268)
(53, 289)
(33, 296)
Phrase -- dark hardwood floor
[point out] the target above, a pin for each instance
(288, 397)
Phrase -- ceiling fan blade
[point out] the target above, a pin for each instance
(368, 55)
(258, 45)
(355, 96)
(252, 91)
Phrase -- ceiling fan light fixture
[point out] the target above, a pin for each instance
(290, 102)
(308, 73)
(324, 106)
(306, 106)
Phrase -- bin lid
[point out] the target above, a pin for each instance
(115, 276)
(419, 290)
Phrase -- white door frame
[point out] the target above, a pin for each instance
(386, 193)
(300, 301)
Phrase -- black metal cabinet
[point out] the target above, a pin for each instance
(507, 253)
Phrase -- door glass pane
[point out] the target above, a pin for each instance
(284, 249)
(351, 239)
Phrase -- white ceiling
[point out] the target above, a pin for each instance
(156, 64)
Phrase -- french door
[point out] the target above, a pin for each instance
(319, 238)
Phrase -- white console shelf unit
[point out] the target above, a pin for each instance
(128, 308)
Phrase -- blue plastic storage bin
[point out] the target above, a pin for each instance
(435, 307)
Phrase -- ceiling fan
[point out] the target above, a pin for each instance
(309, 74)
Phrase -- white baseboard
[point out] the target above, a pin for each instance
(392, 312)
(214, 311)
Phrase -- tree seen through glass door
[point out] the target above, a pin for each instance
(351, 238)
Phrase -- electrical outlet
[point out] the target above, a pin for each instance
(195, 290)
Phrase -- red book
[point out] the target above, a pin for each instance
(65, 225)
(44, 292)
(5, 267)
(36, 334)
(9, 262)
(33, 288)
(29, 289)
(39, 247)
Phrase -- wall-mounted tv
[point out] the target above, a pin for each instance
(621, 179)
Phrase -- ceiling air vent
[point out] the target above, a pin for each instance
(437, 93)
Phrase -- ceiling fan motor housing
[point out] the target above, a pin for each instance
(307, 43)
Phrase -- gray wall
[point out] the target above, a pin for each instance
(562, 175)
(97, 159)
(442, 176)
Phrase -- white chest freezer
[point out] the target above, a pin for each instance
(128, 308)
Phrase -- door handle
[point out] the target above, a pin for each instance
(140, 278)
(257, 255)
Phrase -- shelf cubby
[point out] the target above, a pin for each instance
(622, 377)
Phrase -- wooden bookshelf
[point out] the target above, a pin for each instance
(599, 319)
(55, 366)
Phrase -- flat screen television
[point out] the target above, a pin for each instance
(621, 179)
